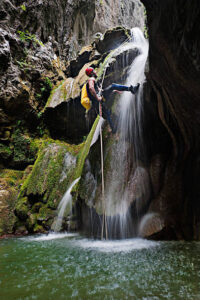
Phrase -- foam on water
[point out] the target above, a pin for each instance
(49, 237)
(116, 245)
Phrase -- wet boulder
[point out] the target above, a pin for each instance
(112, 39)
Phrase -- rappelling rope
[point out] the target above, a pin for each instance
(104, 221)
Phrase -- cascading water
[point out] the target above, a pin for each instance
(66, 201)
(128, 179)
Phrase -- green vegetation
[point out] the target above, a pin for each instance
(44, 92)
(30, 38)
(23, 64)
(23, 7)
(45, 177)
(61, 88)
(104, 65)
(45, 184)
(22, 208)
(85, 150)
(5, 152)
(24, 148)
(11, 177)
(10, 182)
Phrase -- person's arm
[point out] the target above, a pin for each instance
(91, 82)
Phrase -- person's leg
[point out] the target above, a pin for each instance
(119, 87)
(114, 86)
(107, 115)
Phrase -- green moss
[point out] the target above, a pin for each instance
(24, 148)
(44, 92)
(22, 208)
(84, 152)
(11, 177)
(38, 229)
(23, 7)
(44, 213)
(53, 91)
(36, 207)
(104, 65)
(31, 222)
(5, 152)
(45, 217)
(45, 178)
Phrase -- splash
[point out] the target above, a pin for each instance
(49, 237)
(125, 246)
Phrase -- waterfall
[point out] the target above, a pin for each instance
(65, 201)
(127, 178)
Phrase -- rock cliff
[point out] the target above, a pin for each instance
(174, 90)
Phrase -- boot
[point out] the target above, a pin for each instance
(134, 89)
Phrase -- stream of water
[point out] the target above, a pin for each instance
(65, 201)
(68, 266)
(128, 179)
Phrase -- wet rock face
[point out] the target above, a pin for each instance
(4, 50)
(174, 76)
(9, 188)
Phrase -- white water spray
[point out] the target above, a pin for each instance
(66, 201)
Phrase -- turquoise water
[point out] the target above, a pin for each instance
(66, 266)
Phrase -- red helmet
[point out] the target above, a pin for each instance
(89, 71)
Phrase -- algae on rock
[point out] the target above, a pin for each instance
(57, 165)
(9, 182)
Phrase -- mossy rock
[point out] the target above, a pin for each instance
(45, 214)
(58, 164)
(38, 229)
(31, 221)
(5, 152)
(36, 207)
(51, 174)
(24, 149)
(10, 181)
(22, 208)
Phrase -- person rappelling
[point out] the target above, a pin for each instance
(92, 95)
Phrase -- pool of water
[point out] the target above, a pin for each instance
(68, 266)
